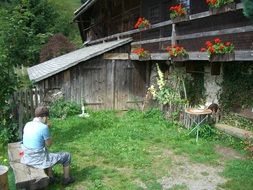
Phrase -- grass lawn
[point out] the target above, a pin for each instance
(136, 150)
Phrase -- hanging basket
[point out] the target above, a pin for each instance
(180, 58)
(180, 19)
(215, 68)
(225, 8)
(222, 57)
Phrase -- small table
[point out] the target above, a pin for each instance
(197, 116)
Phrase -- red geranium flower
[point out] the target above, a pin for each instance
(218, 47)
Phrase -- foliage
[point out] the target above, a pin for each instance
(140, 52)
(142, 23)
(176, 50)
(218, 47)
(8, 80)
(177, 10)
(237, 121)
(62, 109)
(164, 92)
(8, 128)
(195, 89)
(34, 21)
(57, 45)
(218, 3)
(248, 8)
(236, 86)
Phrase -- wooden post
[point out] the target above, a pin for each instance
(173, 35)
(20, 119)
(3, 177)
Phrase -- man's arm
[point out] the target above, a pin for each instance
(48, 142)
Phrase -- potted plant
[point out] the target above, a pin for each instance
(178, 13)
(142, 23)
(218, 51)
(177, 53)
(142, 53)
(220, 6)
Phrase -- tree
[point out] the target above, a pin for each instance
(248, 8)
(57, 45)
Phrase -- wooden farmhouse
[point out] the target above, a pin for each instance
(106, 75)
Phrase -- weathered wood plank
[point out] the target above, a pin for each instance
(25, 176)
(203, 56)
(216, 32)
(152, 41)
(234, 131)
(118, 56)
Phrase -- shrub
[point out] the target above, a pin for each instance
(62, 109)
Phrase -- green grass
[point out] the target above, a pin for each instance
(125, 151)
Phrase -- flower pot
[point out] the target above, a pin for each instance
(222, 9)
(222, 57)
(180, 58)
(215, 68)
(144, 57)
(3, 177)
(180, 19)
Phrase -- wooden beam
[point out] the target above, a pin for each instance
(216, 32)
(198, 56)
(152, 41)
(116, 56)
(234, 131)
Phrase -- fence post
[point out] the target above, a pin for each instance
(20, 120)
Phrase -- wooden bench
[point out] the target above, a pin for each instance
(25, 177)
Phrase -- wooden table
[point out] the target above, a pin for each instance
(196, 117)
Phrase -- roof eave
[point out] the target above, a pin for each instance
(83, 8)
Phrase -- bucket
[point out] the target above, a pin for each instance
(3, 177)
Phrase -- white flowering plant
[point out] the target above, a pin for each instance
(164, 92)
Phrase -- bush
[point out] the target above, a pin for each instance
(62, 109)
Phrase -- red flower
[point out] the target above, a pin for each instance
(203, 49)
(217, 40)
(142, 23)
(227, 43)
(218, 47)
(176, 50)
(177, 10)
(208, 43)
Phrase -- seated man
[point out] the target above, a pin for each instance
(36, 139)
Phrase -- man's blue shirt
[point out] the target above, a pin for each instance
(35, 134)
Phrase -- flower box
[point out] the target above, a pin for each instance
(180, 19)
(215, 68)
(180, 58)
(222, 9)
(144, 57)
(222, 57)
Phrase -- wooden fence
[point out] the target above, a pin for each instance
(25, 102)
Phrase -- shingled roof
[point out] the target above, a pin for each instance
(61, 63)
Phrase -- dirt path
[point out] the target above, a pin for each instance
(186, 175)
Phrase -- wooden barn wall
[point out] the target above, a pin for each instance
(103, 84)
(232, 19)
